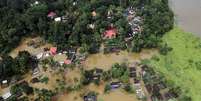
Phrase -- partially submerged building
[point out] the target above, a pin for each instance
(90, 98)
(115, 85)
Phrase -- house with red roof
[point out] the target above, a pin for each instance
(67, 62)
(111, 33)
(53, 50)
(51, 15)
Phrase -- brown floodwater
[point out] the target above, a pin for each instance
(100, 60)
(115, 95)
(118, 95)
(188, 15)
(24, 47)
(105, 61)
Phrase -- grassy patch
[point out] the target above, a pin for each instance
(182, 65)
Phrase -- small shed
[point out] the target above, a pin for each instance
(90, 98)
(115, 85)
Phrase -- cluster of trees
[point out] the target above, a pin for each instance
(16, 66)
(44, 95)
(21, 18)
(121, 72)
(158, 19)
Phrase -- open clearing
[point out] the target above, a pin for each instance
(183, 64)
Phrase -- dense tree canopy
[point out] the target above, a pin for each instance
(21, 18)
(16, 66)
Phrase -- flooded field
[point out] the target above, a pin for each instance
(118, 95)
(115, 95)
(73, 76)
(188, 15)
(24, 46)
(105, 61)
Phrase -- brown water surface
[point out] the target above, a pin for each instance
(105, 61)
(188, 14)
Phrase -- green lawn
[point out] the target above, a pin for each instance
(183, 64)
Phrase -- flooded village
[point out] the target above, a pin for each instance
(59, 71)
(64, 70)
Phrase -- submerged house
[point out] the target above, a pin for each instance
(90, 98)
(98, 72)
(92, 75)
(115, 85)
(132, 72)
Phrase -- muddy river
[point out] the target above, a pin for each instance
(188, 15)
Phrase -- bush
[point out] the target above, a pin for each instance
(107, 88)
(164, 49)
(44, 80)
(128, 88)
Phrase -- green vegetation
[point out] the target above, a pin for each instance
(44, 95)
(44, 79)
(181, 66)
(107, 88)
(128, 88)
(20, 18)
(22, 87)
(120, 71)
(17, 66)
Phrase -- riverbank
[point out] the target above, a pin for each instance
(182, 65)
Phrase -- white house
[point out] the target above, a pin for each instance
(57, 19)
